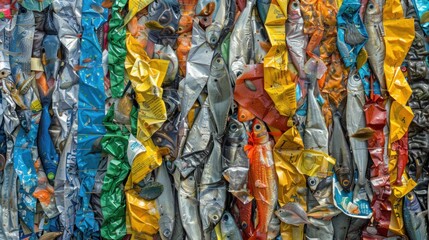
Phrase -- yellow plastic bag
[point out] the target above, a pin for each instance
(146, 76)
(142, 215)
(291, 184)
(278, 83)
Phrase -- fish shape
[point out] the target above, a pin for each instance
(355, 120)
(163, 203)
(197, 70)
(296, 40)
(263, 178)
(316, 132)
(214, 31)
(364, 133)
(198, 143)
(414, 219)
(260, 38)
(339, 149)
(188, 206)
(219, 93)
(212, 190)
(241, 42)
(229, 229)
(375, 45)
(292, 213)
(236, 161)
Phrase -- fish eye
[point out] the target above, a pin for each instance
(356, 77)
(258, 126)
(312, 182)
(295, 5)
(163, 19)
(225, 218)
(346, 182)
(371, 6)
(233, 127)
(244, 225)
(410, 196)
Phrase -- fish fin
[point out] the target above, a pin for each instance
(266, 46)
(423, 213)
(364, 133)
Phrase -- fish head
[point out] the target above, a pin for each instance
(218, 66)
(213, 34)
(354, 83)
(313, 182)
(166, 225)
(411, 202)
(294, 10)
(185, 24)
(237, 65)
(227, 225)
(235, 131)
(214, 213)
(260, 131)
(244, 115)
(373, 12)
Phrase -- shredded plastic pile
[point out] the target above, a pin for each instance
(214, 119)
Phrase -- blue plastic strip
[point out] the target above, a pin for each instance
(90, 114)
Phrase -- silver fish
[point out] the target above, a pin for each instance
(219, 93)
(241, 42)
(316, 132)
(198, 143)
(228, 227)
(260, 38)
(236, 160)
(188, 206)
(414, 219)
(355, 118)
(375, 44)
(197, 70)
(164, 204)
(339, 149)
(212, 190)
(213, 32)
(292, 213)
(274, 227)
(296, 40)
(167, 53)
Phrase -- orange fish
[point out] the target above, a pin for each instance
(244, 115)
(187, 8)
(262, 176)
(185, 24)
(183, 47)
